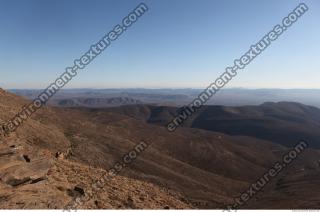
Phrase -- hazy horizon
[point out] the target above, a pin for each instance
(164, 88)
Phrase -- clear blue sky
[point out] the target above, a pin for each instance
(177, 43)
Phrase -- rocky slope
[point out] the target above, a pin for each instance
(34, 176)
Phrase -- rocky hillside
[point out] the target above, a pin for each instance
(35, 175)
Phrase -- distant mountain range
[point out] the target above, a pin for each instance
(179, 97)
(95, 102)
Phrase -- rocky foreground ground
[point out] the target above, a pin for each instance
(34, 178)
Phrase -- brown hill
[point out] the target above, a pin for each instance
(283, 122)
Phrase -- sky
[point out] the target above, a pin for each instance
(175, 44)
